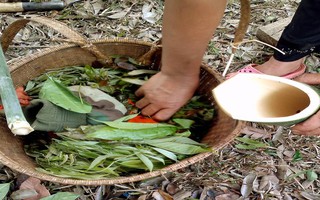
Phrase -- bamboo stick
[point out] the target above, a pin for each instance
(12, 109)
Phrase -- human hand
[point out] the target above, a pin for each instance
(310, 127)
(163, 95)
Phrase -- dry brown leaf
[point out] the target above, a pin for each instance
(255, 133)
(247, 185)
(143, 197)
(119, 14)
(229, 196)
(172, 188)
(97, 6)
(181, 195)
(268, 182)
(165, 195)
(157, 196)
(310, 195)
(286, 196)
(35, 184)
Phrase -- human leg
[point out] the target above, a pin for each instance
(299, 39)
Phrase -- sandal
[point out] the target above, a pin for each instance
(251, 69)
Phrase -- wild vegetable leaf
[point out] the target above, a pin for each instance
(186, 133)
(61, 96)
(97, 161)
(157, 158)
(109, 133)
(141, 71)
(167, 154)
(180, 148)
(4, 189)
(177, 139)
(131, 125)
(30, 85)
(135, 81)
(134, 164)
(61, 196)
(184, 123)
(145, 160)
(125, 118)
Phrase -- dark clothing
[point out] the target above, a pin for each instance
(302, 36)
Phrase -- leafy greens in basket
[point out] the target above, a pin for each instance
(123, 146)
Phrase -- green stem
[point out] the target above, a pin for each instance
(12, 109)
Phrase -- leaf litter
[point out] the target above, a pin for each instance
(287, 168)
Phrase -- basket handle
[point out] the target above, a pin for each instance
(74, 37)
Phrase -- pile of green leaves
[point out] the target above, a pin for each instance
(119, 147)
(122, 84)
(115, 148)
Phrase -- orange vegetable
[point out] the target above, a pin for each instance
(142, 119)
(23, 97)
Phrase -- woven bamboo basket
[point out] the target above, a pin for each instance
(223, 128)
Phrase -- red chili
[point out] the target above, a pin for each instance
(131, 102)
(142, 119)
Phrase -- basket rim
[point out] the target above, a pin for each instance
(15, 63)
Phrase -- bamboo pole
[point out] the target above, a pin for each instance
(12, 109)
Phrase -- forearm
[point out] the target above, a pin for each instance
(188, 25)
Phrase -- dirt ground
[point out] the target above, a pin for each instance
(285, 168)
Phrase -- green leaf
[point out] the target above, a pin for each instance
(166, 153)
(311, 175)
(29, 86)
(4, 189)
(250, 143)
(133, 164)
(141, 71)
(97, 161)
(126, 118)
(184, 123)
(131, 125)
(156, 158)
(133, 61)
(109, 133)
(297, 156)
(61, 96)
(246, 147)
(145, 160)
(186, 133)
(186, 146)
(61, 196)
(135, 81)
(176, 139)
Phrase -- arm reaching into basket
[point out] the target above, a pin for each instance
(188, 26)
